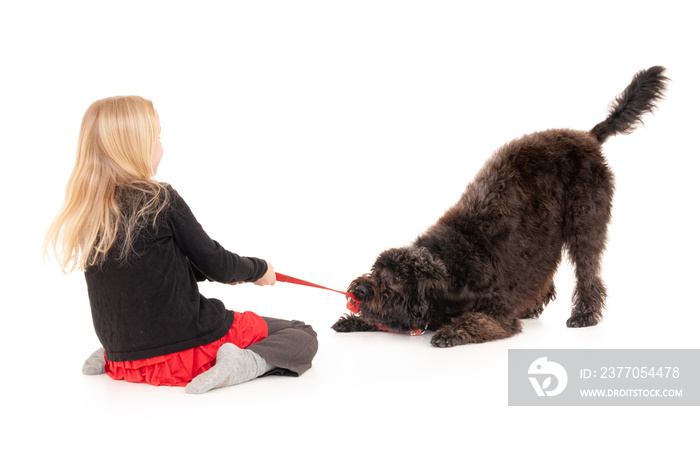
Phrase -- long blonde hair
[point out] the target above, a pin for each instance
(110, 193)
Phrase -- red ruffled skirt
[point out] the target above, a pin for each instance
(178, 369)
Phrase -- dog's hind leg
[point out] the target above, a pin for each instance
(474, 328)
(536, 311)
(585, 238)
(589, 294)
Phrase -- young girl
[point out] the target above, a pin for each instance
(143, 252)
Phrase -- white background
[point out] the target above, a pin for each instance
(315, 135)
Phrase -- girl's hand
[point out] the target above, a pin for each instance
(269, 278)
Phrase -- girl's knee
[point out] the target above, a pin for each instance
(300, 325)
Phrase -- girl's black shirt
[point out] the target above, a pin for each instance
(150, 305)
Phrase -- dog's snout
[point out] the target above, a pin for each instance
(361, 291)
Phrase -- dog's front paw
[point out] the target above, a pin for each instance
(349, 323)
(448, 336)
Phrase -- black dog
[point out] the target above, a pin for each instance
(491, 258)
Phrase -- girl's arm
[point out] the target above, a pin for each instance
(208, 256)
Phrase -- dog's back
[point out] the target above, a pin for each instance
(519, 213)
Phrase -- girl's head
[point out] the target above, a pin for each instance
(110, 191)
(120, 136)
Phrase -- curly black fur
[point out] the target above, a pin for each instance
(491, 258)
(638, 98)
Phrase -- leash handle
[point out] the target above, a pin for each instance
(353, 305)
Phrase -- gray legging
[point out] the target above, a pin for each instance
(289, 346)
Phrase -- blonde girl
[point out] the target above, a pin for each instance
(142, 252)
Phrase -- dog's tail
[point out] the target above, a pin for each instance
(645, 90)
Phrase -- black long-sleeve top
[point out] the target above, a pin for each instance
(150, 305)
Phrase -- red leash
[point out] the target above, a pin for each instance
(353, 304)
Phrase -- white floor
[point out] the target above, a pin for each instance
(378, 395)
(316, 135)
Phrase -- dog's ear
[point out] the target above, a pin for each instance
(432, 288)
(431, 273)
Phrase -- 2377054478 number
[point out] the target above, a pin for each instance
(640, 372)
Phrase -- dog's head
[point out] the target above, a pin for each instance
(401, 288)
